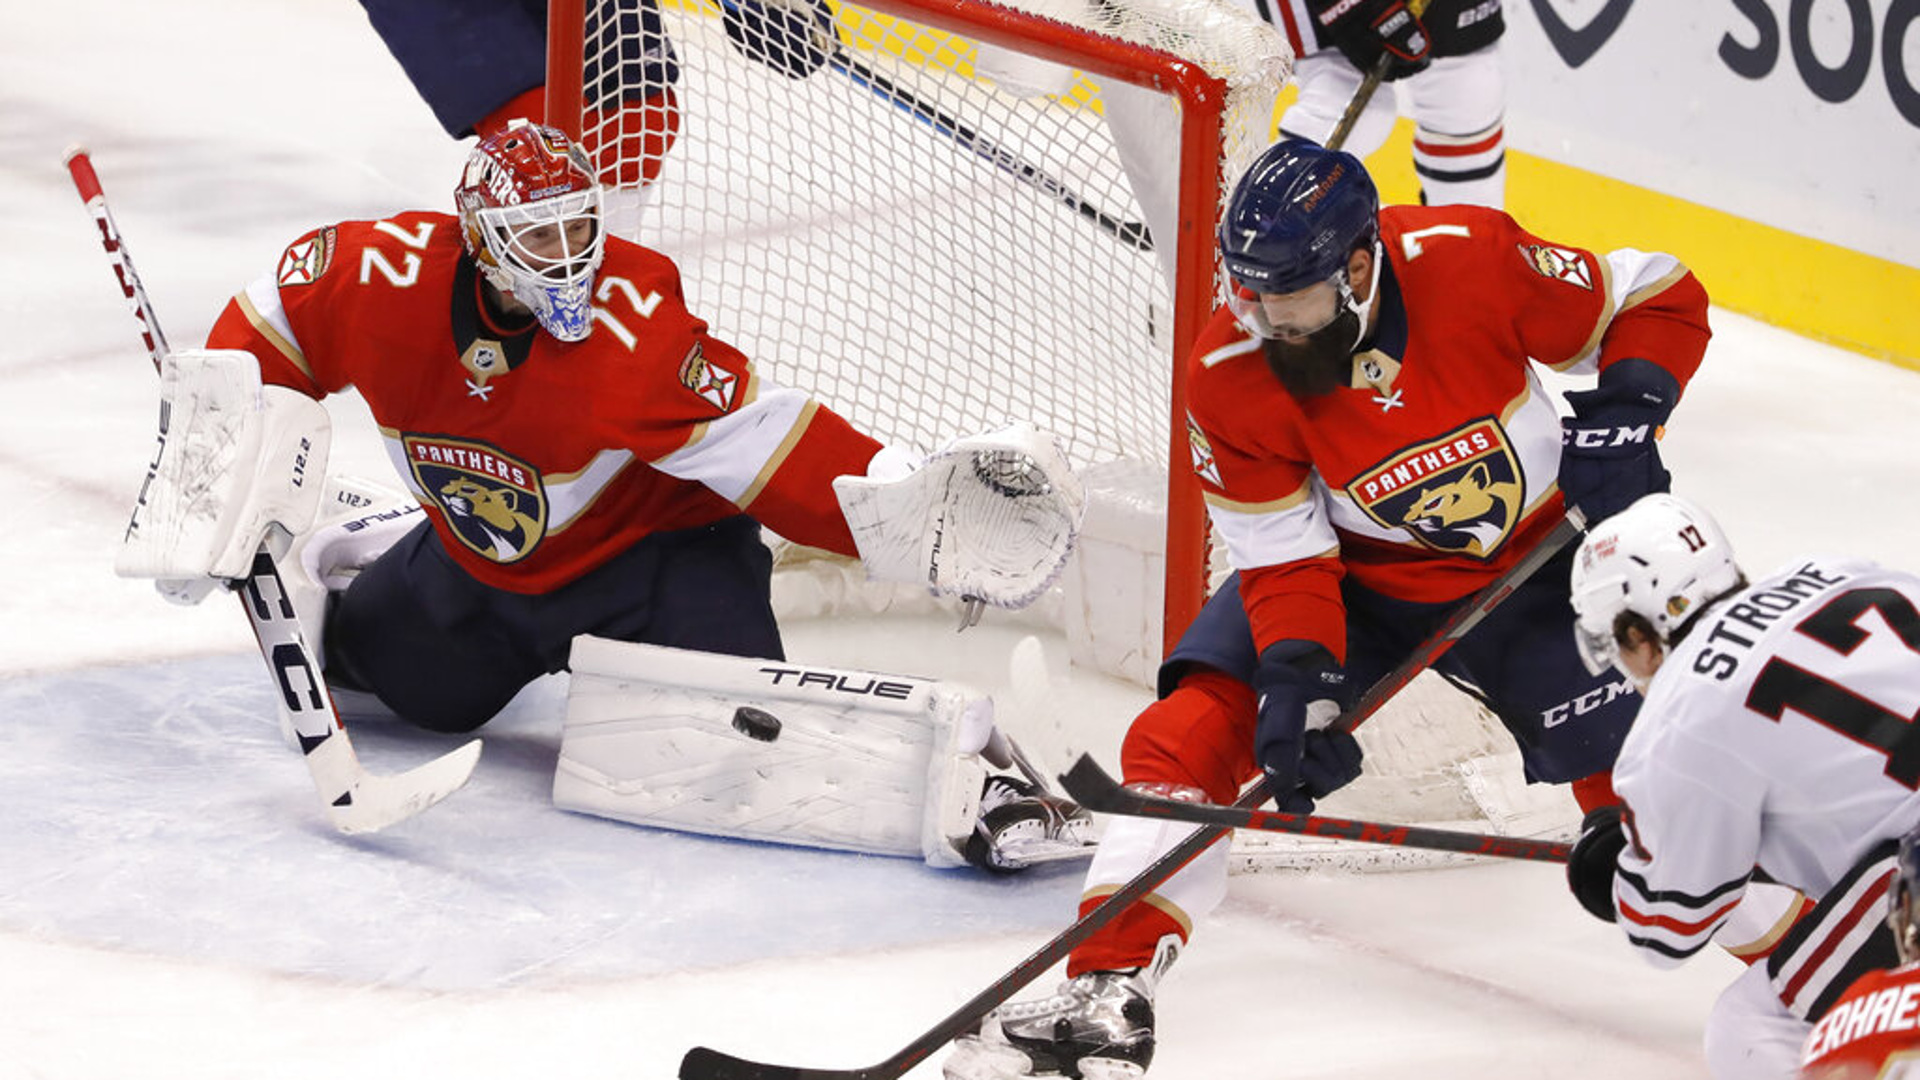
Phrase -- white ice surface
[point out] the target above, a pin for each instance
(172, 904)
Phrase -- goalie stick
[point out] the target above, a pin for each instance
(1092, 787)
(356, 800)
(702, 1063)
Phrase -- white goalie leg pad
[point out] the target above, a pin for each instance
(992, 517)
(234, 458)
(771, 750)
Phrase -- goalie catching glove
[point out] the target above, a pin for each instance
(991, 518)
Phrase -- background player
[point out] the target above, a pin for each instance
(580, 467)
(1873, 1031)
(480, 63)
(1445, 71)
(1775, 744)
(1371, 438)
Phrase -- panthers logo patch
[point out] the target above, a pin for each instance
(1461, 493)
(1558, 263)
(306, 260)
(494, 504)
(714, 385)
(1204, 464)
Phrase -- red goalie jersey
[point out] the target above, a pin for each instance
(666, 427)
(1446, 444)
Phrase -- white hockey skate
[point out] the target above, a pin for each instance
(1097, 1026)
(1020, 826)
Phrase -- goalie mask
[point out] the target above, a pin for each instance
(530, 216)
(1662, 559)
(1294, 219)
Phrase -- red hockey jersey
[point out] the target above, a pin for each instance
(1872, 1032)
(538, 460)
(1416, 477)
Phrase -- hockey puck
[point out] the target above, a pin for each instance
(756, 723)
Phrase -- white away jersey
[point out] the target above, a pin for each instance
(1782, 733)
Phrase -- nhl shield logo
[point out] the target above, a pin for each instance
(493, 503)
(1461, 493)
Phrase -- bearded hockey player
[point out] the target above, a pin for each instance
(1371, 437)
(585, 462)
(1776, 744)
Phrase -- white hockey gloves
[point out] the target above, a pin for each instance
(990, 518)
(234, 459)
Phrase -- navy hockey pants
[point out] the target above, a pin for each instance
(1520, 660)
(447, 652)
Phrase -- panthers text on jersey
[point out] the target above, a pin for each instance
(536, 459)
(1779, 737)
(1415, 478)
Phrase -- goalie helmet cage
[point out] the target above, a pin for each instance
(930, 251)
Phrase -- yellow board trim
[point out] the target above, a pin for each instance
(1813, 288)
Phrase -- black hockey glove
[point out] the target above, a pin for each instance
(1608, 454)
(793, 37)
(1596, 855)
(1363, 29)
(1301, 765)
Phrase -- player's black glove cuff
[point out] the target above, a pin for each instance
(1595, 858)
(1364, 29)
(1609, 456)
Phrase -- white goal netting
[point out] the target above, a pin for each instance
(937, 229)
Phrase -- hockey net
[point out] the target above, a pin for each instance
(943, 215)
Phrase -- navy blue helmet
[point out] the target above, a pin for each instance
(1296, 215)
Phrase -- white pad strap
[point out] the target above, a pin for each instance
(771, 750)
(234, 459)
(992, 517)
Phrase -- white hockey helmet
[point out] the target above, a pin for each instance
(530, 215)
(1662, 558)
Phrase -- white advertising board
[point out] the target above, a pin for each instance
(1800, 114)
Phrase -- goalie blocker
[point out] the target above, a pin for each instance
(800, 754)
(234, 459)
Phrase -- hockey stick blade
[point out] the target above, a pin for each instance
(701, 1063)
(356, 800)
(374, 802)
(1098, 791)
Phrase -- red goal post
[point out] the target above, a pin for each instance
(933, 247)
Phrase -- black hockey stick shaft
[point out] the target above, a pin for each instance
(1132, 233)
(1092, 787)
(701, 1063)
(1553, 535)
(1364, 93)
